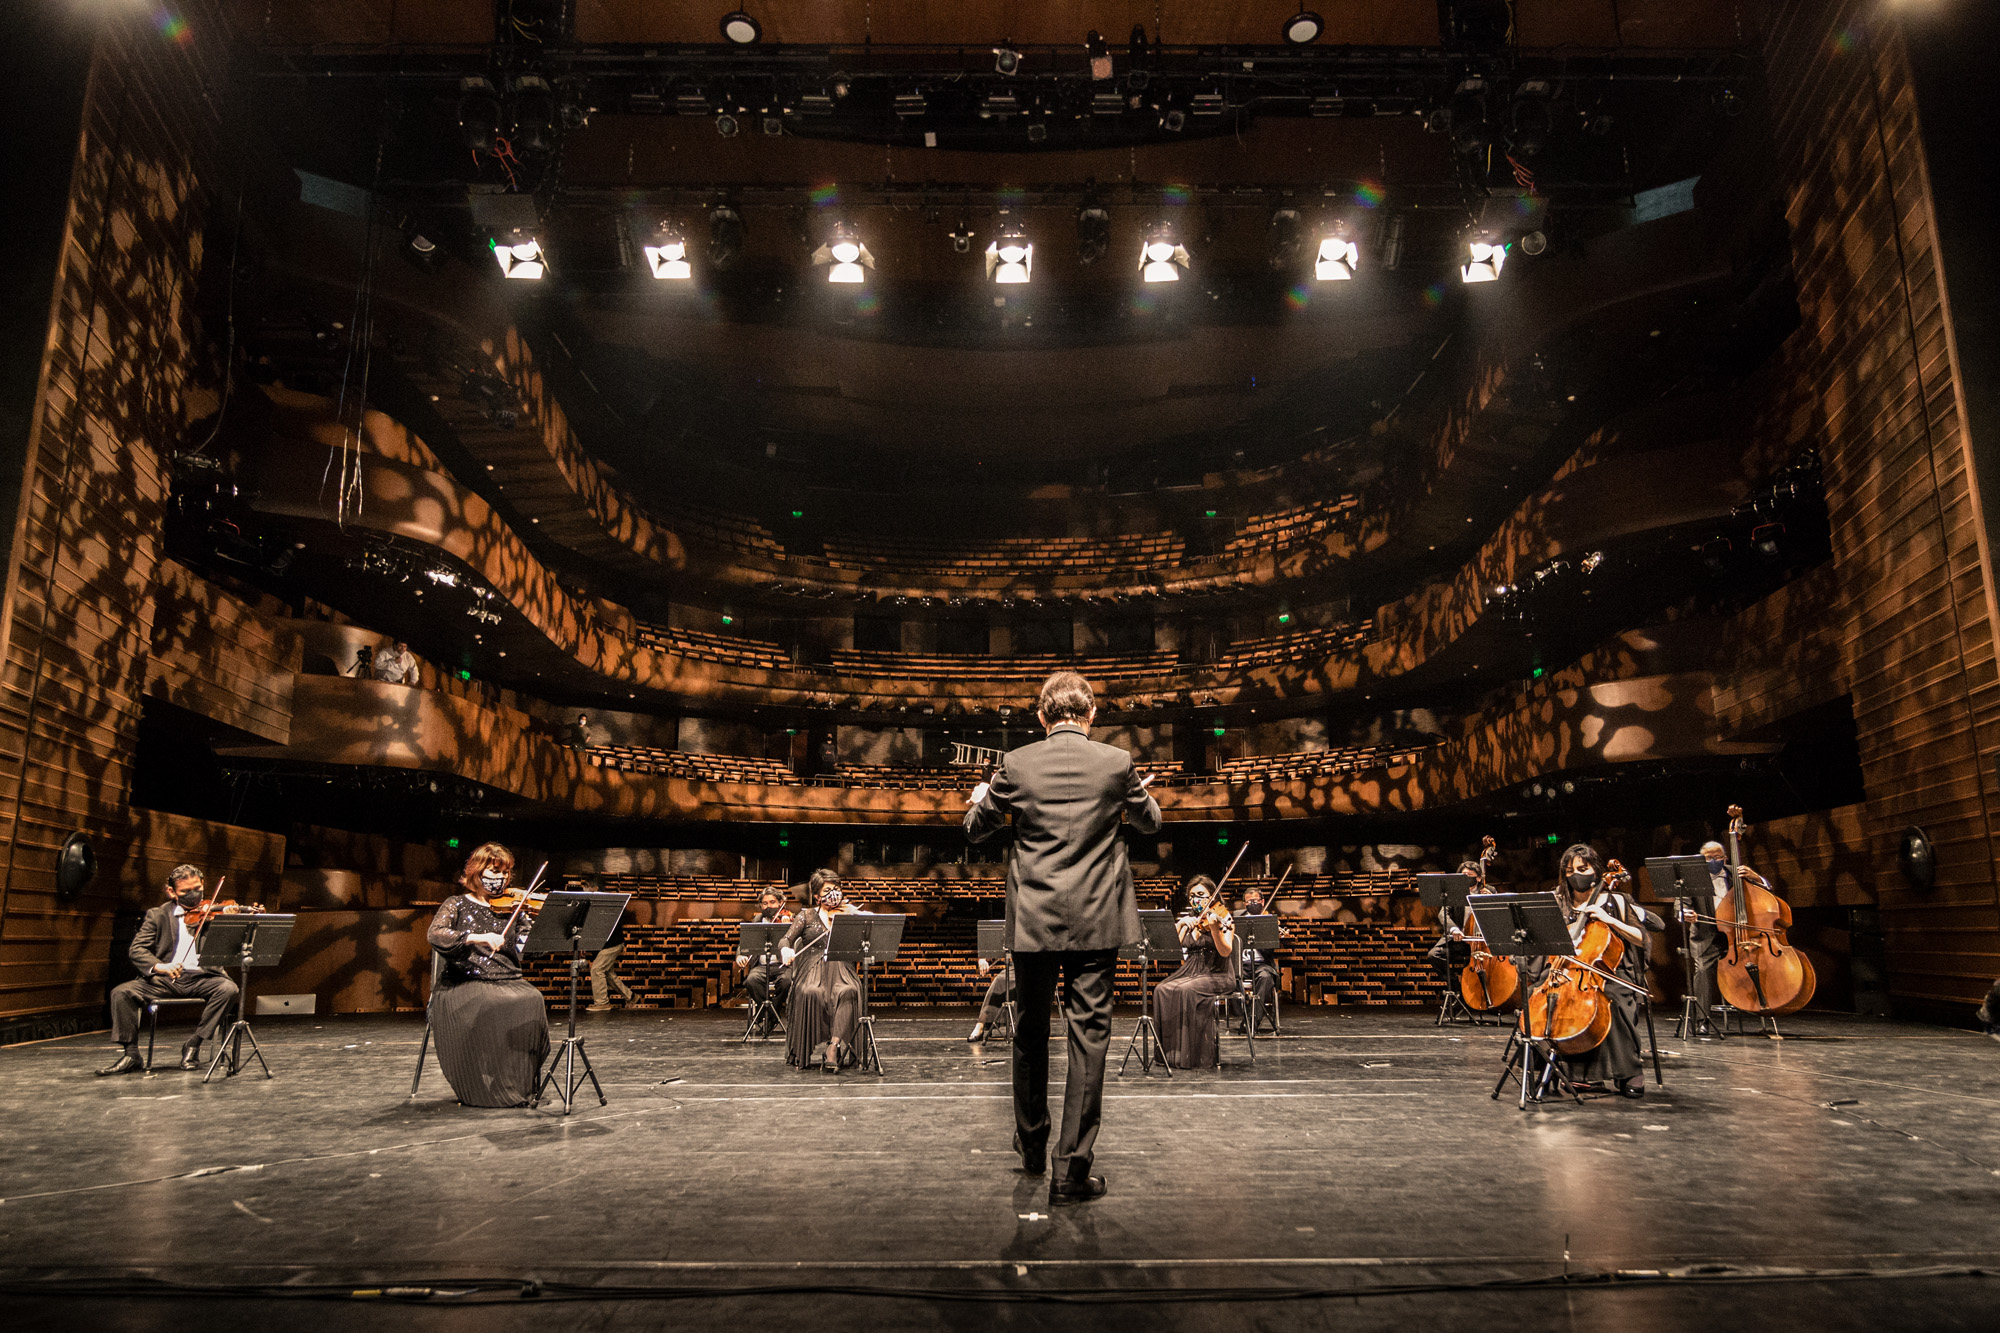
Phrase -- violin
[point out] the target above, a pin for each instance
(1761, 973)
(217, 905)
(1570, 1008)
(1488, 981)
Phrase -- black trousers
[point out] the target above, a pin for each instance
(1706, 946)
(1264, 985)
(127, 1000)
(761, 980)
(1087, 980)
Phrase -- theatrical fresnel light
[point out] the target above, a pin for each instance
(667, 256)
(1010, 255)
(1339, 256)
(843, 254)
(520, 256)
(1487, 254)
(1162, 256)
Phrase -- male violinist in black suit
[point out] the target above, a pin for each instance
(1070, 906)
(1260, 969)
(164, 952)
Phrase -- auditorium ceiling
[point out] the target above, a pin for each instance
(897, 121)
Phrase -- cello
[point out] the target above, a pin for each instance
(1488, 981)
(1569, 1008)
(1762, 972)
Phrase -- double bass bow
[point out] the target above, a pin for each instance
(1488, 981)
(1761, 972)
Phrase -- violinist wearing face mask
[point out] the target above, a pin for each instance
(1588, 897)
(823, 1020)
(164, 952)
(492, 1027)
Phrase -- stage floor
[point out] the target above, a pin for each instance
(1358, 1175)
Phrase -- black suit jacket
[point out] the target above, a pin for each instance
(1069, 882)
(1271, 957)
(156, 940)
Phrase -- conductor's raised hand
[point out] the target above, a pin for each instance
(979, 793)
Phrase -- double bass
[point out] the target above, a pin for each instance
(1570, 1008)
(1489, 981)
(1761, 972)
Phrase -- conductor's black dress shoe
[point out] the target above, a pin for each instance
(126, 1063)
(1072, 1190)
(1032, 1164)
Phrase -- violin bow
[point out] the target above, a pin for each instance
(508, 929)
(213, 899)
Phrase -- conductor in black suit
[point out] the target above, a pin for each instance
(1070, 907)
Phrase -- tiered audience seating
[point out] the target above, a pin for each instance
(1311, 763)
(1035, 667)
(1008, 556)
(1289, 527)
(685, 888)
(1302, 646)
(682, 764)
(716, 528)
(903, 777)
(720, 648)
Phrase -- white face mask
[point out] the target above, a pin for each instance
(493, 880)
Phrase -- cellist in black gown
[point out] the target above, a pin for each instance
(823, 1017)
(1188, 1004)
(1586, 897)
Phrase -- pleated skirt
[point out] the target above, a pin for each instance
(1188, 1008)
(825, 1006)
(492, 1039)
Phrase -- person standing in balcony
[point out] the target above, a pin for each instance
(397, 665)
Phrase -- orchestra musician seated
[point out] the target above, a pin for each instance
(1259, 968)
(1587, 896)
(1188, 1004)
(1451, 952)
(823, 1020)
(163, 949)
(492, 1027)
(767, 981)
(999, 993)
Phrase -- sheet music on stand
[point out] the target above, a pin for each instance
(1525, 925)
(242, 940)
(866, 938)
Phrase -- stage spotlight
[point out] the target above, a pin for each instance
(739, 29)
(667, 256)
(519, 256)
(421, 250)
(534, 115)
(1010, 255)
(1528, 133)
(725, 236)
(1304, 28)
(1174, 121)
(1487, 254)
(1162, 256)
(1006, 60)
(1592, 562)
(1764, 540)
(1093, 233)
(478, 113)
(1285, 240)
(961, 237)
(1339, 256)
(844, 255)
(726, 125)
(1471, 135)
(1098, 53)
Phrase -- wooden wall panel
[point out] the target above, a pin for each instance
(121, 374)
(213, 654)
(1915, 611)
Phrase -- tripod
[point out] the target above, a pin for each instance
(867, 1055)
(566, 1056)
(1146, 1036)
(759, 1012)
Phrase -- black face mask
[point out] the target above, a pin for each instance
(188, 900)
(1583, 881)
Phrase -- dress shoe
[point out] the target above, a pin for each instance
(191, 1055)
(604, 1008)
(1071, 1190)
(1032, 1163)
(978, 1032)
(126, 1063)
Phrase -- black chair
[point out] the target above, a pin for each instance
(437, 970)
(149, 1019)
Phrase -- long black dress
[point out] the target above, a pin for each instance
(1188, 1006)
(492, 1028)
(1618, 1056)
(826, 997)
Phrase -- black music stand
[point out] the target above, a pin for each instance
(243, 941)
(758, 941)
(1527, 925)
(866, 938)
(1157, 938)
(1259, 931)
(993, 944)
(576, 923)
(1689, 879)
(1446, 894)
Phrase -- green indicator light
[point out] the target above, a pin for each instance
(798, 513)
(1538, 673)
(1218, 731)
(1555, 837)
(1285, 619)
(464, 674)
(451, 842)
(1209, 512)
(729, 620)
(1222, 839)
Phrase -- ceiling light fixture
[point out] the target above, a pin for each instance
(739, 29)
(1010, 255)
(667, 256)
(1006, 60)
(519, 256)
(1304, 28)
(1339, 256)
(844, 255)
(1487, 254)
(1161, 254)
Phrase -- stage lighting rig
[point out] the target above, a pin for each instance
(534, 115)
(1531, 121)
(1304, 28)
(1098, 53)
(1471, 132)
(843, 255)
(1161, 255)
(1284, 242)
(1093, 232)
(961, 237)
(725, 235)
(478, 113)
(1010, 255)
(726, 125)
(667, 256)
(739, 29)
(1339, 255)
(1486, 254)
(1006, 60)
(520, 256)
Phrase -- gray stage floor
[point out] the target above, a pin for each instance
(1358, 1175)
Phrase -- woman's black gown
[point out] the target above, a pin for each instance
(826, 998)
(1188, 1006)
(1619, 1056)
(492, 1028)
